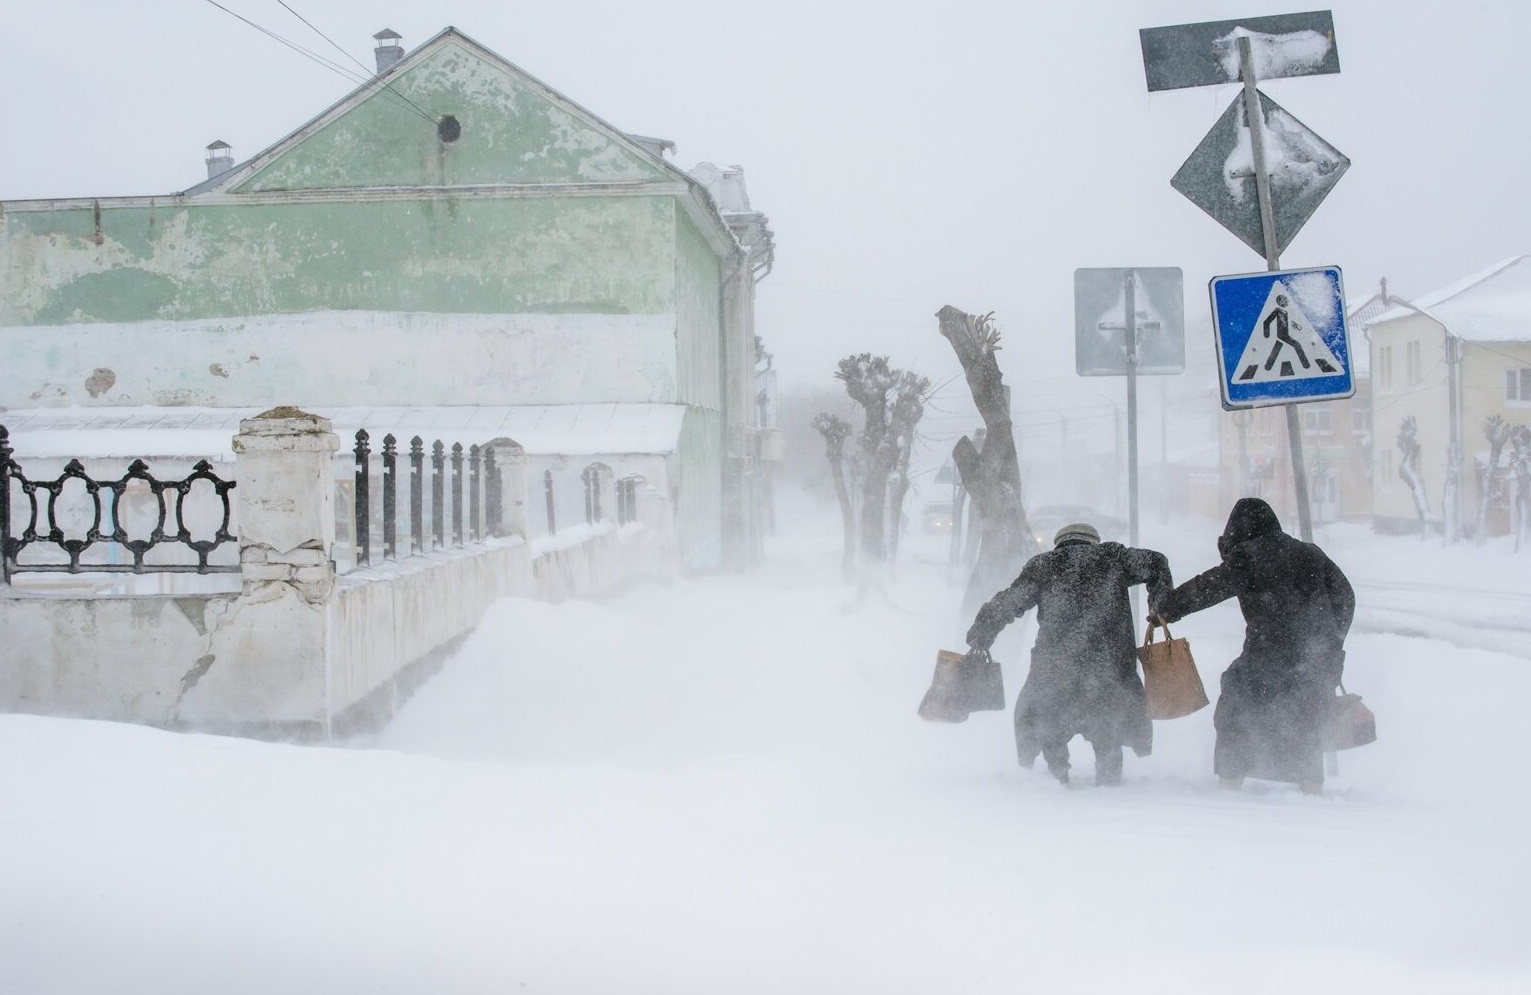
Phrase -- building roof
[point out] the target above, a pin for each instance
(1492, 305)
(153, 432)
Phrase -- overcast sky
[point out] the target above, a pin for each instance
(908, 155)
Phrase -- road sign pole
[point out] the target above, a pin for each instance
(1132, 407)
(1255, 119)
(1130, 295)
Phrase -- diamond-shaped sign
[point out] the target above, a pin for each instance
(1219, 176)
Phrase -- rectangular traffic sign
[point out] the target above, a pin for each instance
(1205, 54)
(1281, 337)
(1100, 320)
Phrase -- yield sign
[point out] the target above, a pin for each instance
(1219, 176)
(1281, 337)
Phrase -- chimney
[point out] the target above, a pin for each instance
(388, 51)
(220, 158)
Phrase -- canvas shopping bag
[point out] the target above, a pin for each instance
(1349, 723)
(1170, 679)
(963, 683)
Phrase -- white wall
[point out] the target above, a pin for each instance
(345, 358)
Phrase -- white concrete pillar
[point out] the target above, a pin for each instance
(286, 501)
(510, 461)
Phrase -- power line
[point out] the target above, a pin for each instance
(329, 64)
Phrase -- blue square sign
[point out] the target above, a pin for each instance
(1281, 337)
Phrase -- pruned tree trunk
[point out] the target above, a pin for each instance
(992, 477)
(893, 402)
(835, 431)
(1497, 431)
(1408, 470)
(1520, 493)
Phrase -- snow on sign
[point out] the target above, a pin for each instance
(1100, 320)
(1219, 176)
(1282, 45)
(1281, 337)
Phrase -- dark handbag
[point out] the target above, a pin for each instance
(963, 683)
(1170, 679)
(1349, 723)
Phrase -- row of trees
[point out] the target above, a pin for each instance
(1501, 481)
(871, 476)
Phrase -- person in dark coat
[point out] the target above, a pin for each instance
(1297, 609)
(1083, 678)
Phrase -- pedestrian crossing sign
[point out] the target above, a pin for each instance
(1281, 337)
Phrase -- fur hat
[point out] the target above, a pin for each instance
(1078, 532)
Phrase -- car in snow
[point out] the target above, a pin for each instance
(1046, 520)
(936, 517)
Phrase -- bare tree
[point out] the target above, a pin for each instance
(992, 476)
(835, 431)
(1520, 488)
(892, 402)
(1497, 431)
(1408, 470)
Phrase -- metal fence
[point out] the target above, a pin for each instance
(121, 525)
(441, 505)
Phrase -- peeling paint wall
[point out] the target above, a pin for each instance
(511, 132)
(547, 255)
(698, 314)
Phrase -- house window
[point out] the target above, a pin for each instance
(1317, 419)
(1412, 363)
(1360, 420)
(1385, 367)
(1517, 386)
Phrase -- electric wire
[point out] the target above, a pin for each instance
(321, 60)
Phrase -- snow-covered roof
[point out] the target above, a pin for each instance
(1493, 305)
(541, 429)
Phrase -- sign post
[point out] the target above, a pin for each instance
(1128, 322)
(1214, 52)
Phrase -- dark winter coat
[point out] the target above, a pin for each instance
(1297, 609)
(1083, 678)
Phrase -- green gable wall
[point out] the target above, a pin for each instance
(512, 133)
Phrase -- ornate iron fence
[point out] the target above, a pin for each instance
(113, 513)
(482, 484)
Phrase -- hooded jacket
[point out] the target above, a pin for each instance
(1297, 607)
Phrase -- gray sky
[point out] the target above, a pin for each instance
(909, 155)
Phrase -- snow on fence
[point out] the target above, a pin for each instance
(302, 649)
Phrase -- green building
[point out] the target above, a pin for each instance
(453, 233)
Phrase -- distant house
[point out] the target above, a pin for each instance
(1336, 443)
(1450, 361)
(452, 234)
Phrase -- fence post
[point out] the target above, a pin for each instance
(417, 494)
(457, 494)
(286, 501)
(475, 527)
(438, 492)
(390, 497)
(361, 531)
(5, 505)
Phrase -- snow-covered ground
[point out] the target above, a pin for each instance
(721, 786)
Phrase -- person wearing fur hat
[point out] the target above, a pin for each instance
(1297, 607)
(1083, 679)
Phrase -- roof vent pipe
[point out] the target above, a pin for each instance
(388, 51)
(220, 158)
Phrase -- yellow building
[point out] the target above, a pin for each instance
(1442, 366)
